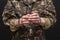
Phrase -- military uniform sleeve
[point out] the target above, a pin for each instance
(9, 16)
(49, 14)
(46, 10)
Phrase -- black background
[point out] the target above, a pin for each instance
(51, 34)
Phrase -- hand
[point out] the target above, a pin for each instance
(24, 21)
(34, 18)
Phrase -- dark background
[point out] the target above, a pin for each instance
(51, 34)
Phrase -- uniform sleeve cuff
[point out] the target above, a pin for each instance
(12, 26)
(47, 24)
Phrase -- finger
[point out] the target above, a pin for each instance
(25, 17)
(26, 22)
(35, 14)
(34, 20)
(34, 17)
(28, 14)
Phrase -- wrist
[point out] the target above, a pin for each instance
(20, 22)
(17, 23)
(42, 22)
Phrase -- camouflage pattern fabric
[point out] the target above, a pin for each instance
(15, 9)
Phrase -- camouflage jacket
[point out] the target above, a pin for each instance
(16, 9)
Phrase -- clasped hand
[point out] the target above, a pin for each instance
(30, 18)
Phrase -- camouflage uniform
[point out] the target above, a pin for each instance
(16, 9)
